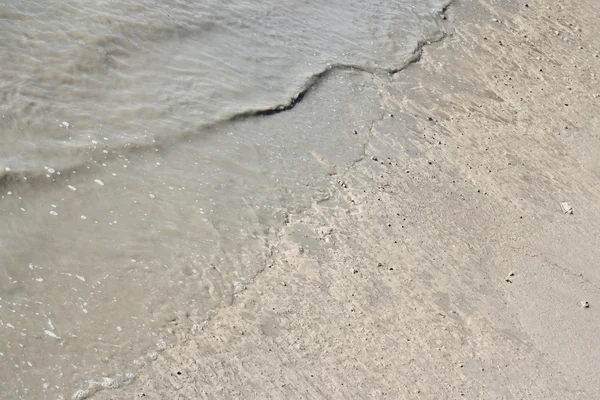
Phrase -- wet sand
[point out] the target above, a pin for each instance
(444, 266)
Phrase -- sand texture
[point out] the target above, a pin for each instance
(445, 266)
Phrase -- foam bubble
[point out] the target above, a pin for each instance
(51, 334)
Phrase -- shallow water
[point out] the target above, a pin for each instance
(144, 171)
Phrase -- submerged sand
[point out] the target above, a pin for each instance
(445, 266)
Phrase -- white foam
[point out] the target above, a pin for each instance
(238, 286)
(94, 386)
(80, 394)
(51, 334)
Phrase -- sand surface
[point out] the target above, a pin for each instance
(444, 267)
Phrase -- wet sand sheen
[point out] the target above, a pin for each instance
(149, 167)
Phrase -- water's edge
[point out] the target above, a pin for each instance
(89, 388)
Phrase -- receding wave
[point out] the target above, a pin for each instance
(152, 151)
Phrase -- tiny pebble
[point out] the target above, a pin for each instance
(584, 304)
(99, 182)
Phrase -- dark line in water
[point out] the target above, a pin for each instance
(14, 177)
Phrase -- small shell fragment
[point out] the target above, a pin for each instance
(566, 207)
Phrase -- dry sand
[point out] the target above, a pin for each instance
(445, 266)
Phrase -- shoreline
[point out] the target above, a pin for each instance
(444, 266)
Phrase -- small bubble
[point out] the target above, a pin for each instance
(53, 213)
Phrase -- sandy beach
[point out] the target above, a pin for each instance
(445, 265)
